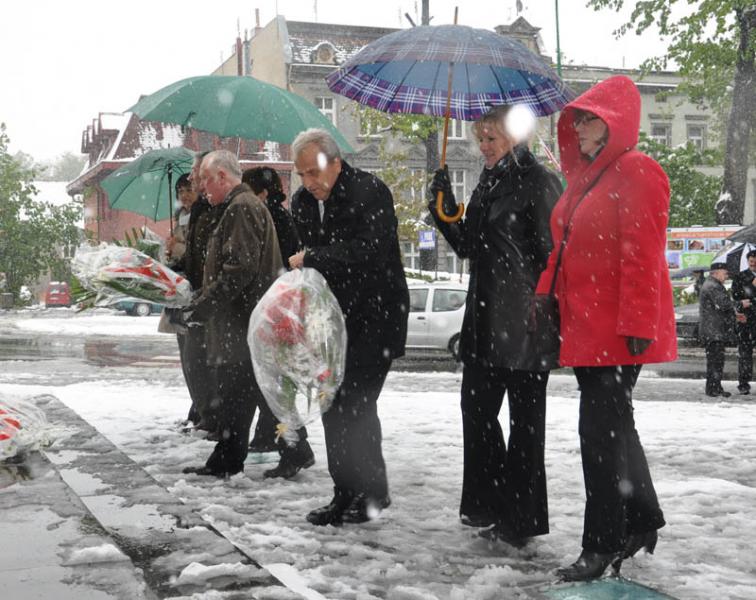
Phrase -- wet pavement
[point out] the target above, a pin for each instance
(88, 522)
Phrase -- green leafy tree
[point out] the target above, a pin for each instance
(35, 237)
(408, 187)
(714, 45)
(693, 193)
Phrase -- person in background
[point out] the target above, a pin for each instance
(505, 235)
(616, 311)
(345, 218)
(242, 261)
(744, 288)
(190, 261)
(266, 184)
(717, 315)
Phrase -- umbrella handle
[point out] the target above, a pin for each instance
(447, 114)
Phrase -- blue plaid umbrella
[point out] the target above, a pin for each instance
(407, 72)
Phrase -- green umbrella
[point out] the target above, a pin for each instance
(145, 185)
(235, 106)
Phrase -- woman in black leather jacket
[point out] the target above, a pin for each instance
(505, 235)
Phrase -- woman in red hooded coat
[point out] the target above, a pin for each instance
(616, 311)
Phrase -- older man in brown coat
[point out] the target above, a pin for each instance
(242, 261)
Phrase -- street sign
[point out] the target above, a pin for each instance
(426, 239)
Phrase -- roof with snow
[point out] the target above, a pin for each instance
(311, 43)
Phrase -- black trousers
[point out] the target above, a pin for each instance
(620, 496)
(199, 377)
(239, 396)
(746, 335)
(505, 482)
(353, 434)
(715, 360)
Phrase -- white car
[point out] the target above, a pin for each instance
(435, 317)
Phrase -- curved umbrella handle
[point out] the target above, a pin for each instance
(440, 210)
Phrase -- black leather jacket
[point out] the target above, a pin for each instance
(505, 233)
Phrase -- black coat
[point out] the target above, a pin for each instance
(506, 236)
(356, 249)
(716, 312)
(744, 288)
(286, 230)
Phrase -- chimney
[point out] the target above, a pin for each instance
(239, 57)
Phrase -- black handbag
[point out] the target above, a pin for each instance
(544, 340)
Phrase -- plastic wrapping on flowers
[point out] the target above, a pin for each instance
(297, 340)
(23, 427)
(112, 272)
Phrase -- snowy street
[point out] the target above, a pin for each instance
(701, 451)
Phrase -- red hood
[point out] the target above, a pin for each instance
(617, 102)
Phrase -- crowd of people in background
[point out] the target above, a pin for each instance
(597, 247)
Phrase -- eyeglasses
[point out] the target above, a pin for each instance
(582, 119)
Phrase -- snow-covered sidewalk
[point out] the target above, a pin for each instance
(702, 456)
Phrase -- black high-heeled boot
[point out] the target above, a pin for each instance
(636, 541)
(590, 565)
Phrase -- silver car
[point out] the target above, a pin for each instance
(435, 317)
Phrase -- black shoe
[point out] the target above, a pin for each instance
(744, 390)
(503, 533)
(258, 446)
(478, 521)
(363, 508)
(331, 514)
(207, 471)
(636, 541)
(292, 461)
(590, 565)
(719, 393)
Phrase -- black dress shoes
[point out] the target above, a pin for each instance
(207, 471)
(717, 393)
(331, 514)
(364, 508)
(293, 460)
(590, 565)
(636, 541)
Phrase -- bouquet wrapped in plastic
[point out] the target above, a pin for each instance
(110, 272)
(297, 339)
(23, 427)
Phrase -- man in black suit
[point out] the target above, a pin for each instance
(346, 221)
(744, 288)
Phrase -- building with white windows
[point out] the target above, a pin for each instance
(299, 55)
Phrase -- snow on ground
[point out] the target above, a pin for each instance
(65, 321)
(702, 457)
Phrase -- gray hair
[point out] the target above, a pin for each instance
(321, 138)
(223, 159)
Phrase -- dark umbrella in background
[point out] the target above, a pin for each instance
(145, 185)
(450, 71)
(735, 257)
(747, 234)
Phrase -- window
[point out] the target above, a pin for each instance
(697, 136)
(662, 133)
(456, 129)
(418, 300)
(448, 300)
(457, 177)
(327, 107)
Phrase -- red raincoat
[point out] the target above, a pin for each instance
(613, 281)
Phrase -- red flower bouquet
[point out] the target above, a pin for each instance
(297, 339)
(112, 272)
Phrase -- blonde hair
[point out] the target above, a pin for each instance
(496, 117)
